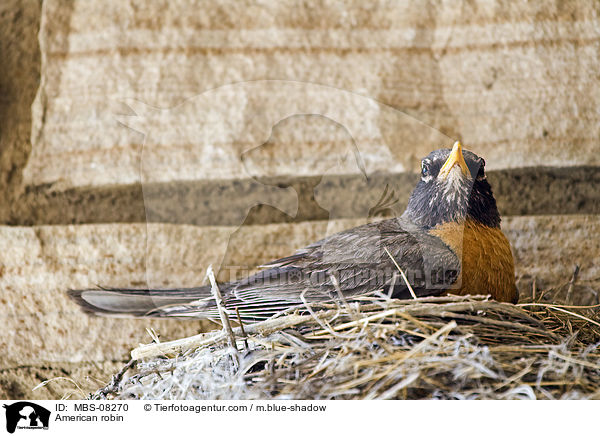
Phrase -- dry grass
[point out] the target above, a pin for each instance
(376, 348)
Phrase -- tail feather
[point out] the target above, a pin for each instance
(136, 302)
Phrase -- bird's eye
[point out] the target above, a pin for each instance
(425, 169)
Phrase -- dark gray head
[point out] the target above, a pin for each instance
(453, 187)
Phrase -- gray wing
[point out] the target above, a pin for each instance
(357, 258)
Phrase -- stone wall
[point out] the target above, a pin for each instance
(243, 131)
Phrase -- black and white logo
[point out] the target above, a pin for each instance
(26, 415)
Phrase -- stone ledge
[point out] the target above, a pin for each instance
(522, 191)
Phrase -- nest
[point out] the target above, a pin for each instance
(378, 348)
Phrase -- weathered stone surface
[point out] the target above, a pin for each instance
(517, 83)
(19, 80)
(41, 264)
(548, 248)
(61, 380)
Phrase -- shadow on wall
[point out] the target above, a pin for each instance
(19, 81)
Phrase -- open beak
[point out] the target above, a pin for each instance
(455, 158)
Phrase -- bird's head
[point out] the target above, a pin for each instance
(453, 187)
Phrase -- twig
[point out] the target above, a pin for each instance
(403, 356)
(322, 322)
(336, 285)
(572, 283)
(392, 284)
(219, 301)
(558, 305)
(113, 386)
(354, 323)
(574, 314)
(205, 339)
(412, 293)
(45, 382)
(504, 324)
(244, 335)
(153, 334)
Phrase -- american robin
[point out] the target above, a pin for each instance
(447, 241)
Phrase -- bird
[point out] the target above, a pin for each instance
(448, 241)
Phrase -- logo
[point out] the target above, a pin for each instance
(26, 415)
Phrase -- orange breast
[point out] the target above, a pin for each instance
(487, 262)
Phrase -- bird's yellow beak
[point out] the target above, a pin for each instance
(455, 158)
